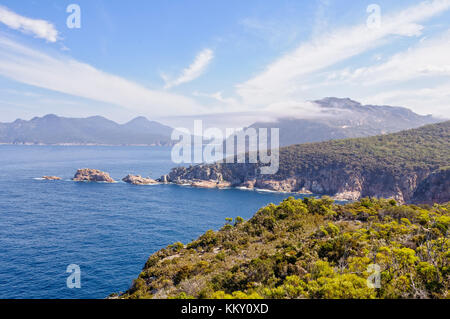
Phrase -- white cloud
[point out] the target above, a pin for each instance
(428, 58)
(427, 100)
(283, 79)
(39, 28)
(218, 96)
(416, 78)
(193, 71)
(66, 75)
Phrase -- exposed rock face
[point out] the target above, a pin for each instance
(51, 178)
(92, 175)
(138, 180)
(434, 189)
(210, 184)
(213, 172)
(249, 184)
(333, 181)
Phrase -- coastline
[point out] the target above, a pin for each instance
(193, 185)
(261, 190)
(86, 144)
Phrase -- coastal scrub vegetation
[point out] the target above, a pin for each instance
(427, 147)
(310, 248)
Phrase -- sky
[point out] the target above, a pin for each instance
(228, 62)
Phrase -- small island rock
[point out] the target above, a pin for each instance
(138, 180)
(92, 175)
(210, 184)
(51, 178)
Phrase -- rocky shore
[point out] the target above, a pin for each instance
(421, 187)
(208, 176)
(335, 182)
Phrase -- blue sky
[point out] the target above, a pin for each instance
(237, 60)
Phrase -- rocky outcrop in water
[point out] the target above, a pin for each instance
(138, 180)
(51, 178)
(92, 175)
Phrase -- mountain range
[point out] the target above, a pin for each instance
(338, 118)
(345, 118)
(52, 129)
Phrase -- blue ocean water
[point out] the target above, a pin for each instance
(109, 230)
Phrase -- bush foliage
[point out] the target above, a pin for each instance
(310, 248)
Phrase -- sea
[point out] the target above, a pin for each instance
(107, 230)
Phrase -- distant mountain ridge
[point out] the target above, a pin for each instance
(346, 118)
(52, 129)
(338, 118)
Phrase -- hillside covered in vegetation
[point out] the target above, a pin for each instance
(311, 248)
(388, 166)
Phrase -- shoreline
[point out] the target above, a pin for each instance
(189, 185)
(88, 144)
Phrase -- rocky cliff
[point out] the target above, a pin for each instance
(390, 166)
(435, 188)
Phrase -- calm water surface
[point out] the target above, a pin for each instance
(109, 230)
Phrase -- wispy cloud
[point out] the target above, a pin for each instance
(39, 28)
(425, 100)
(417, 77)
(276, 32)
(284, 78)
(320, 20)
(428, 58)
(64, 74)
(193, 71)
(217, 96)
